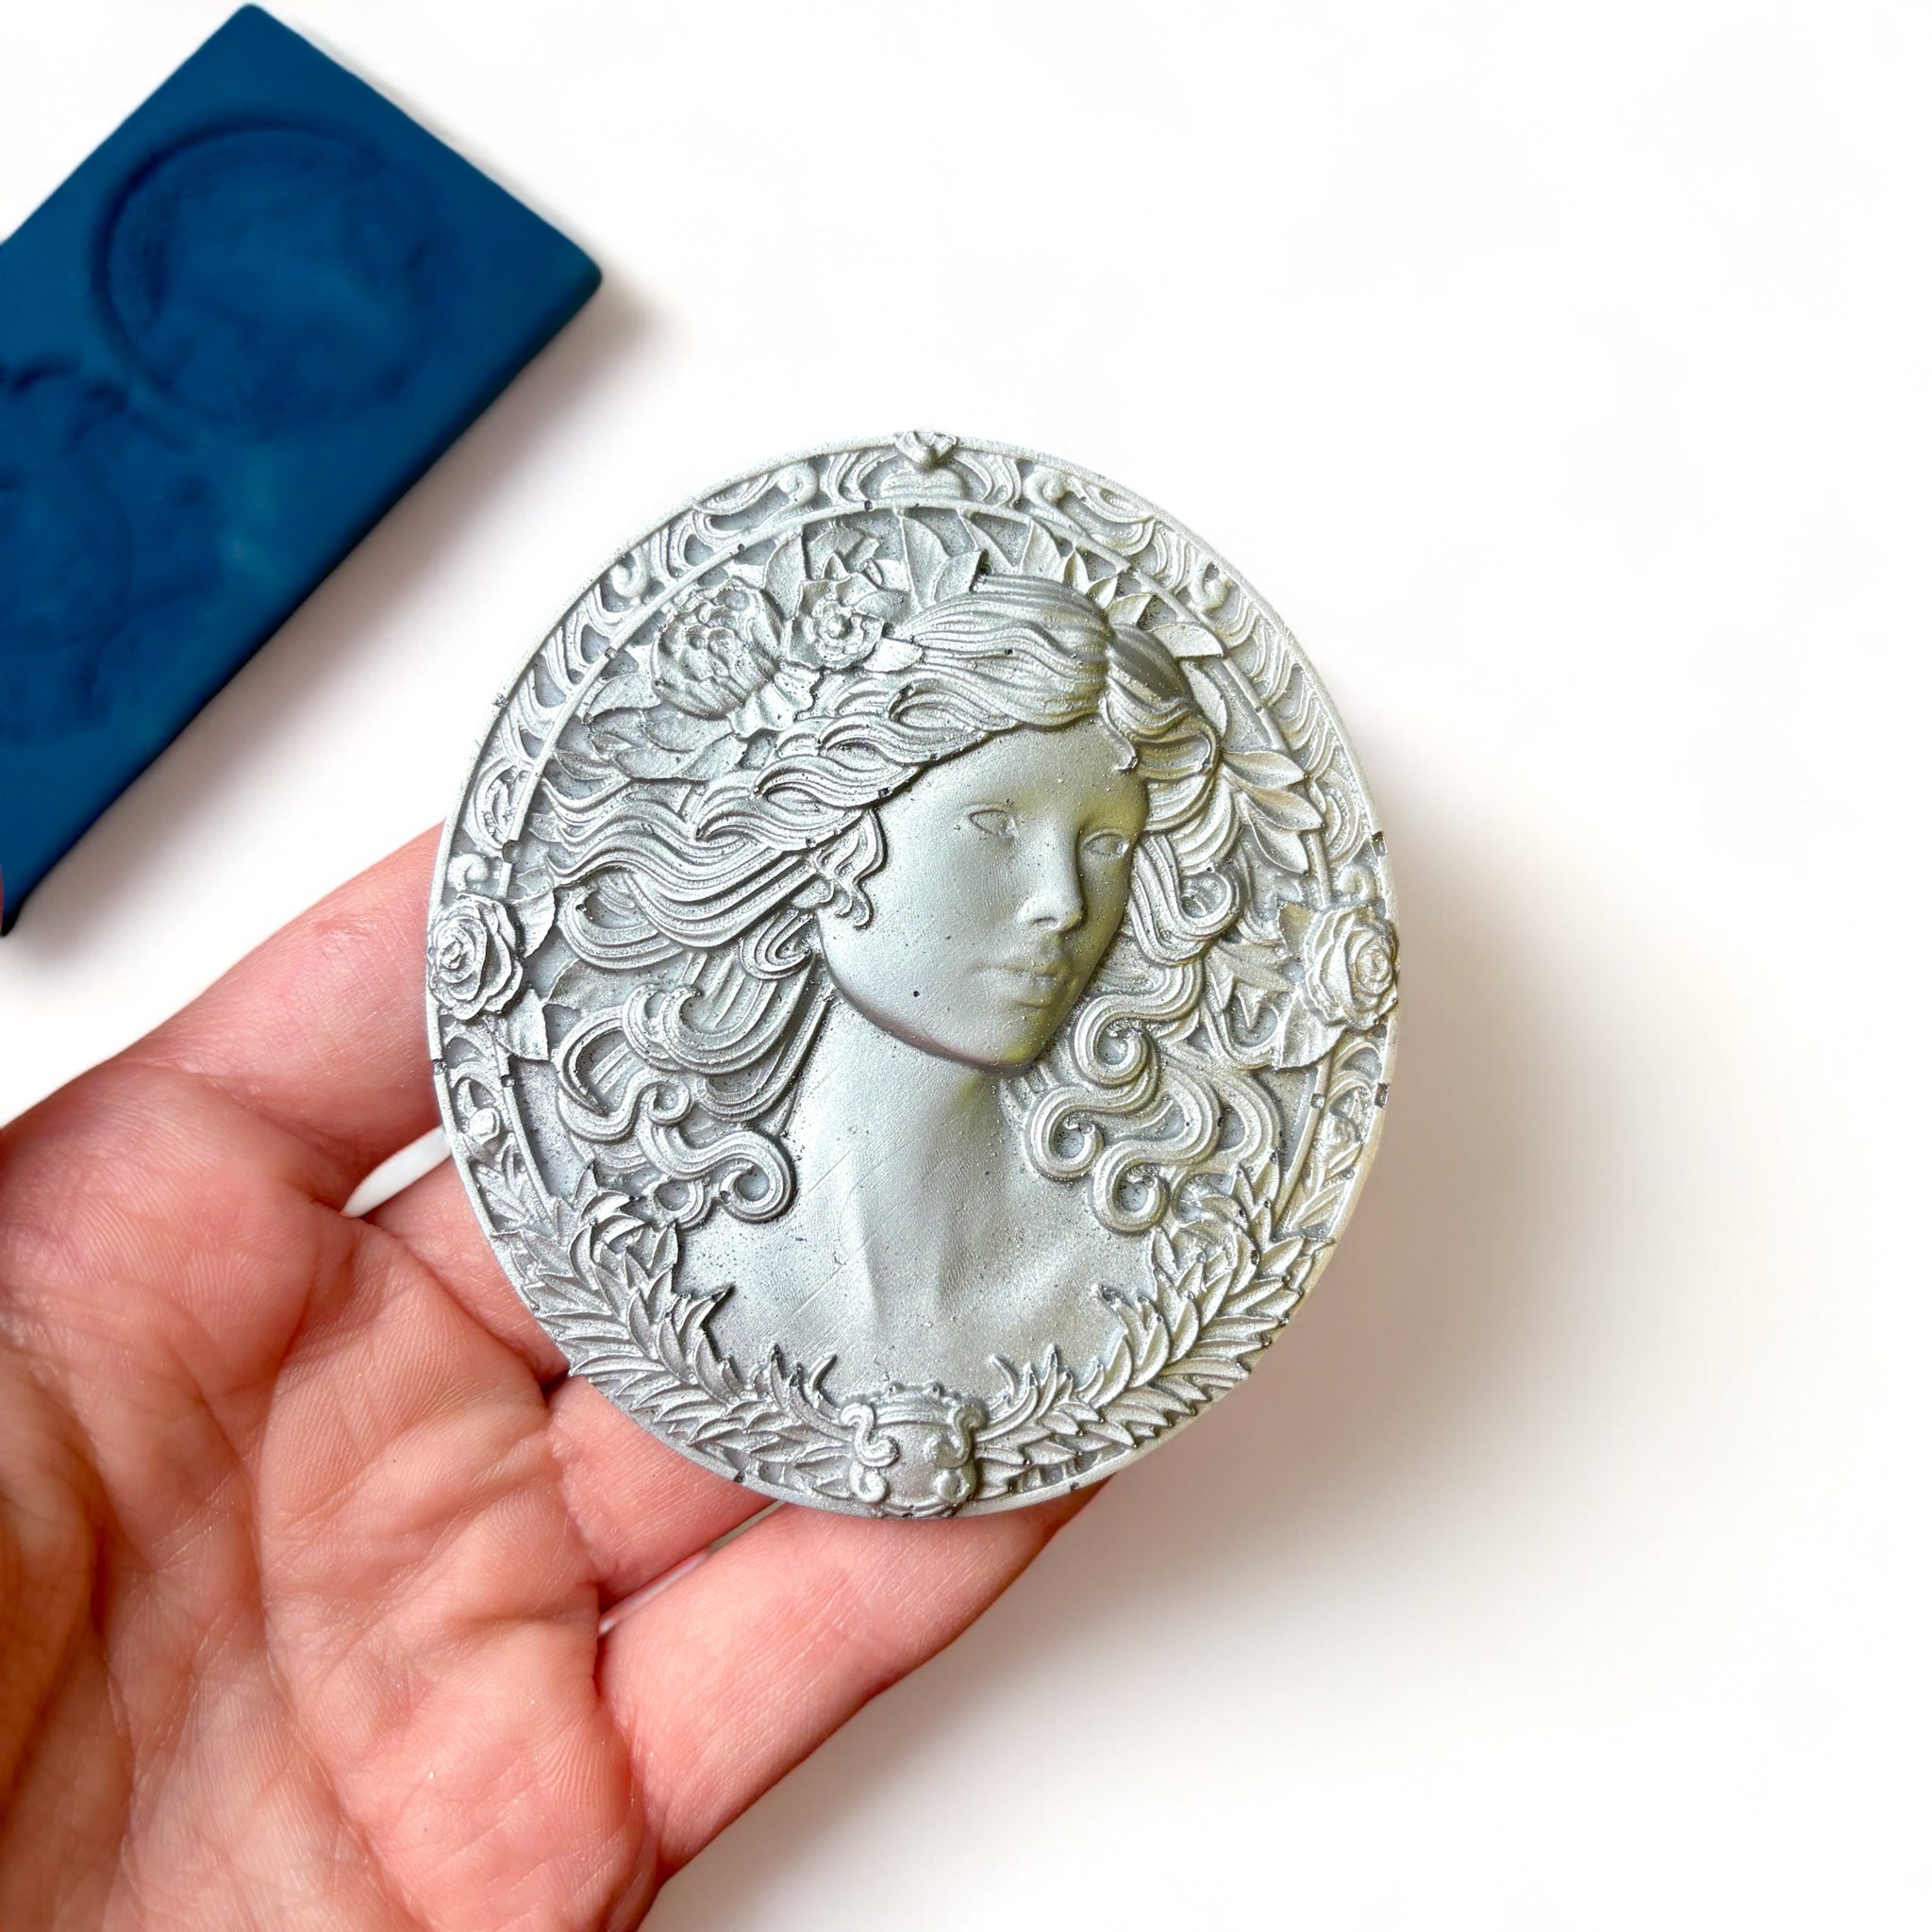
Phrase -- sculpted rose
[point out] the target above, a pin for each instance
(838, 623)
(719, 649)
(1348, 966)
(472, 957)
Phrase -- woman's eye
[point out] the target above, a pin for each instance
(991, 819)
(1107, 845)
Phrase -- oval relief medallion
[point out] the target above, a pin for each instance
(912, 980)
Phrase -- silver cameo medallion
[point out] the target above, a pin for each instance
(912, 979)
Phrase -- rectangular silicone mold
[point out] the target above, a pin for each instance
(228, 341)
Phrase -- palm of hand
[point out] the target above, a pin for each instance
(320, 1591)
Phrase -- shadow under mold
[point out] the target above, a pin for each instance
(1412, 1333)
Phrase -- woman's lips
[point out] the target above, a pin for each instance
(1034, 982)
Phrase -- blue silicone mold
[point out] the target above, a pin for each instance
(228, 341)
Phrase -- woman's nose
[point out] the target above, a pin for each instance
(1054, 898)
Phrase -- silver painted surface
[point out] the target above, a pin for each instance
(912, 979)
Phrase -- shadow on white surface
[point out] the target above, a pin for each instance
(1408, 1339)
(235, 743)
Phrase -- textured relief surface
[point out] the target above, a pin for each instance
(108, 546)
(912, 979)
(269, 275)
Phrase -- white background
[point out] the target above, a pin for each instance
(1561, 373)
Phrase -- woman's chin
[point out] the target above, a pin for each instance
(1000, 1036)
(1020, 1045)
(998, 1050)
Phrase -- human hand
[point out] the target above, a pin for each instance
(305, 1542)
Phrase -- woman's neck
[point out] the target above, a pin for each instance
(890, 1131)
(920, 1238)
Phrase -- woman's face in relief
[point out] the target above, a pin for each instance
(1005, 880)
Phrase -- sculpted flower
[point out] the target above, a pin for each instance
(1348, 966)
(718, 651)
(839, 623)
(472, 957)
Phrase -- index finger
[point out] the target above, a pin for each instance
(319, 1032)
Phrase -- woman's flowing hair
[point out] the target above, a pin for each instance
(707, 898)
